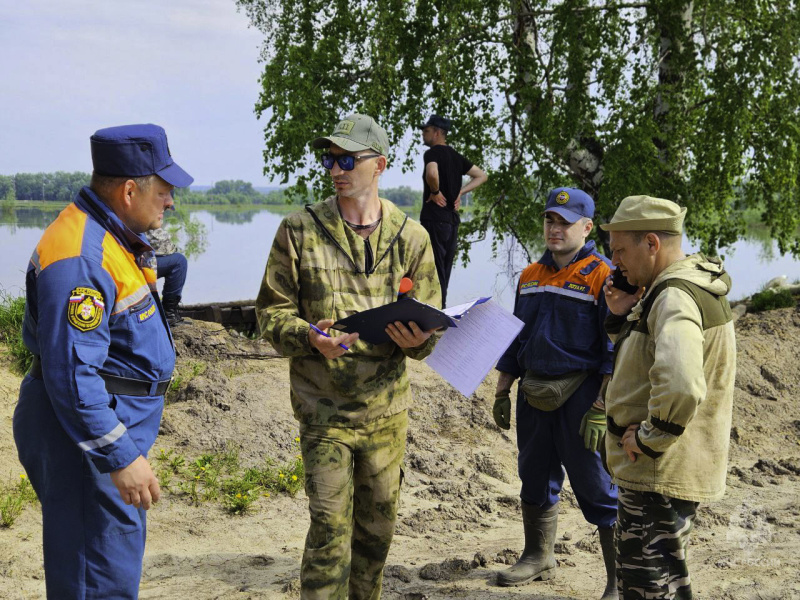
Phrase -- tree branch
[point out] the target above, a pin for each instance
(579, 9)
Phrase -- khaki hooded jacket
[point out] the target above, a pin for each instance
(674, 375)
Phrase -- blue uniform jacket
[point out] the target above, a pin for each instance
(90, 309)
(563, 311)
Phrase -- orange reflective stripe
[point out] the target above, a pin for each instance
(121, 265)
(62, 239)
(149, 276)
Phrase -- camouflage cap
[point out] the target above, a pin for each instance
(645, 213)
(356, 132)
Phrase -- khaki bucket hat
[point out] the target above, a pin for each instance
(645, 213)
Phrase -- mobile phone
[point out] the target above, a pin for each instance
(619, 281)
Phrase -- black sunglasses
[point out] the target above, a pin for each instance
(347, 162)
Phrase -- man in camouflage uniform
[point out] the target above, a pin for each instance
(172, 266)
(338, 257)
(669, 402)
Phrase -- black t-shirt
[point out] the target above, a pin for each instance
(452, 166)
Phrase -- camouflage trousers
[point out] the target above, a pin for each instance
(652, 539)
(353, 477)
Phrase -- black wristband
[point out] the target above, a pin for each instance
(434, 193)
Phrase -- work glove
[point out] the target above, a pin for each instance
(502, 409)
(593, 428)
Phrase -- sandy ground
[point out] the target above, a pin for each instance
(459, 519)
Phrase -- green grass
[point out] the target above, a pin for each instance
(13, 500)
(12, 312)
(219, 478)
(770, 300)
(183, 376)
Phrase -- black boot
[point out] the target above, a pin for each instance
(170, 304)
(610, 560)
(537, 560)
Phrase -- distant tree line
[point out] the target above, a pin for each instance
(230, 191)
(52, 187)
(62, 187)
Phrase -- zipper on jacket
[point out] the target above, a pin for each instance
(368, 258)
(369, 268)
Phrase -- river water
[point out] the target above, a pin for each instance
(237, 244)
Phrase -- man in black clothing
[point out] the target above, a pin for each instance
(442, 193)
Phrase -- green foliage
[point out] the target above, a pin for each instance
(771, 299)
(187, 231)
(234, 193)
(7, 186)
(696, 101)
(13, 500)
(279, 478)
(12, 313)
(220, 478)
(8, 196)
(53, 187)
(402, 196)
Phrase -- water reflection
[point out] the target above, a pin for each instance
(229, 250)
(30, 217)
(236, 217)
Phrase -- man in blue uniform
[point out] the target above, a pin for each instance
(562, 358)
(90, 407)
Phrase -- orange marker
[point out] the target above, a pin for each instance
(405, 286)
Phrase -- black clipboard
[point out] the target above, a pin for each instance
(371, 324)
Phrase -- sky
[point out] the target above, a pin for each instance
(191, 66)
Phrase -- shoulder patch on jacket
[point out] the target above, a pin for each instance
(591, 267)
(85, 309)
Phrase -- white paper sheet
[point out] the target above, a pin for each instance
(460, 310)
(465, 354)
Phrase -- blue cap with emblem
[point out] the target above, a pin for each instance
(570, 203)
(136, 151)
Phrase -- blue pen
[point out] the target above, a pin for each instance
(319, 331)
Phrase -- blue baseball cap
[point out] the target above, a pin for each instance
(437, 121)
(136, 151)
(571, 204)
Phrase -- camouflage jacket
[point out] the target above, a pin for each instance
(161, 241)
(315, 271)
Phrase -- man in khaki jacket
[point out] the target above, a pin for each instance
(669, 402)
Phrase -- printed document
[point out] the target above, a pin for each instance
(465, 354)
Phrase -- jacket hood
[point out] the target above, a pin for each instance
(707, 273)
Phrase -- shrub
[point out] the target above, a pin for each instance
(770, 300)
(219, 477)
(12, 311)
(14, 499)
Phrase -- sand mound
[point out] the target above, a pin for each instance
(459, 518)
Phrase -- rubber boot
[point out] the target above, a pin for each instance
(537, 560)
(170, 304)
(610, 560)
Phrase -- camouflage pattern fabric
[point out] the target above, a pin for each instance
(352, 479)
(652, 539)
(161, 241)
(317, 270)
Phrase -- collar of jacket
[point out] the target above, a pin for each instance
(706, 273)
(547, 257)
(326, 214)
(134, 243)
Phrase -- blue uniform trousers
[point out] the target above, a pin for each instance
(93, 542)
(173, 268)
(548, 440)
